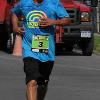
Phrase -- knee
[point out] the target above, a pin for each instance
(32, 83)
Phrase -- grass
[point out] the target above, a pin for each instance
(97, 43)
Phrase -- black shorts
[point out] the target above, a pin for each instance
(37, 70)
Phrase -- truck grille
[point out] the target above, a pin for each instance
(74, 15)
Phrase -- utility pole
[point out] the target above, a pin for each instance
(98, 17)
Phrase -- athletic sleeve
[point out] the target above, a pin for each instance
(61, 11)
(17, 9)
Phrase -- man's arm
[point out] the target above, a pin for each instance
(45, 22)
(62, 22)
(16, 28)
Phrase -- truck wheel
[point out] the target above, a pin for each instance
(58, 49)
(87, 47)
(69, 48)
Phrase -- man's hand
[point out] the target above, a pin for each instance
(19, 30)
(45, 22)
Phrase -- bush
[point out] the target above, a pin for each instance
(97, 43)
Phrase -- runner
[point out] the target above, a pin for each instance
(38, 46)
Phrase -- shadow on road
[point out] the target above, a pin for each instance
(69, 53)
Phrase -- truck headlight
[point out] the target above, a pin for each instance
(85, 17)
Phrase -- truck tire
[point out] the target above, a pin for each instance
(69, 48)
(58, 49)
(87, 47)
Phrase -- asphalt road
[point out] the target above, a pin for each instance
(74, 77)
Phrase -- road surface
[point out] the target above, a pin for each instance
(74, 77)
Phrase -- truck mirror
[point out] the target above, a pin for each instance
(94, 3)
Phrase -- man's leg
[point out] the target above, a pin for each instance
(45, 69)
(31, 90)
(41, 92)
(32, 73)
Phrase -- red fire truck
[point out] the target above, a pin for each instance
(81, 30)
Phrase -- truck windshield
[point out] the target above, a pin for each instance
(79, 0)
(87, 2)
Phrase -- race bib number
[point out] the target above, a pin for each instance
(40, 43)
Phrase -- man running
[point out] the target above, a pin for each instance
(38, 46)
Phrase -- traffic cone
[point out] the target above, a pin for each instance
(17, 51)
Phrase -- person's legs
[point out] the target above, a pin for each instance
(41, 91)
(45, 70)
(31, 91)
(37, 77)
(32, 73)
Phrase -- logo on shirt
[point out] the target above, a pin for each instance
(33, 18)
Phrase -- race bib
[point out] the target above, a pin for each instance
(40, 43)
